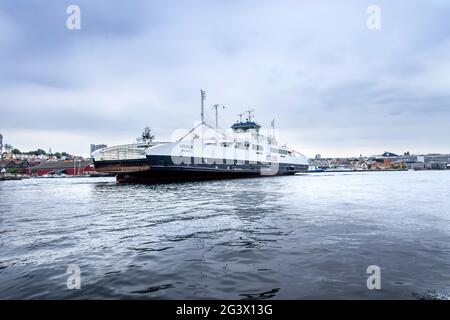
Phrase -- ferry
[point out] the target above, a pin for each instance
(243, 151)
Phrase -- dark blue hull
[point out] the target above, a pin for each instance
(162, 168)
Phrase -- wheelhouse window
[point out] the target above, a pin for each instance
(242, 145)
(226, 144)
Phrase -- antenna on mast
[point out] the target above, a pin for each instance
(216, 106)
(250, 114)
(272, 124)
(203, 98)
(240, 116)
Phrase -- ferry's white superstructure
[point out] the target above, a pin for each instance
(243, 152)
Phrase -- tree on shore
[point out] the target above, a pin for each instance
(39, 152)
(146, 136)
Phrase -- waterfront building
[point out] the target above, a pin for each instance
(68, 167)
(95, 147)
(437, 158)
(16, 166)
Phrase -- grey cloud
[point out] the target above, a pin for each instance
(330, 82)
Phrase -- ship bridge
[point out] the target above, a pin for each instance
(244, 126)
(249, 124)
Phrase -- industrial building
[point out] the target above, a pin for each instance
(68, 167)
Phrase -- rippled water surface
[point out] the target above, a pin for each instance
(296, 237)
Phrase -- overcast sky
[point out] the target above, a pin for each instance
(334, 86)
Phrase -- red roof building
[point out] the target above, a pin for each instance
(68, 167)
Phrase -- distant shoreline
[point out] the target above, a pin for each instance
(387, 170)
